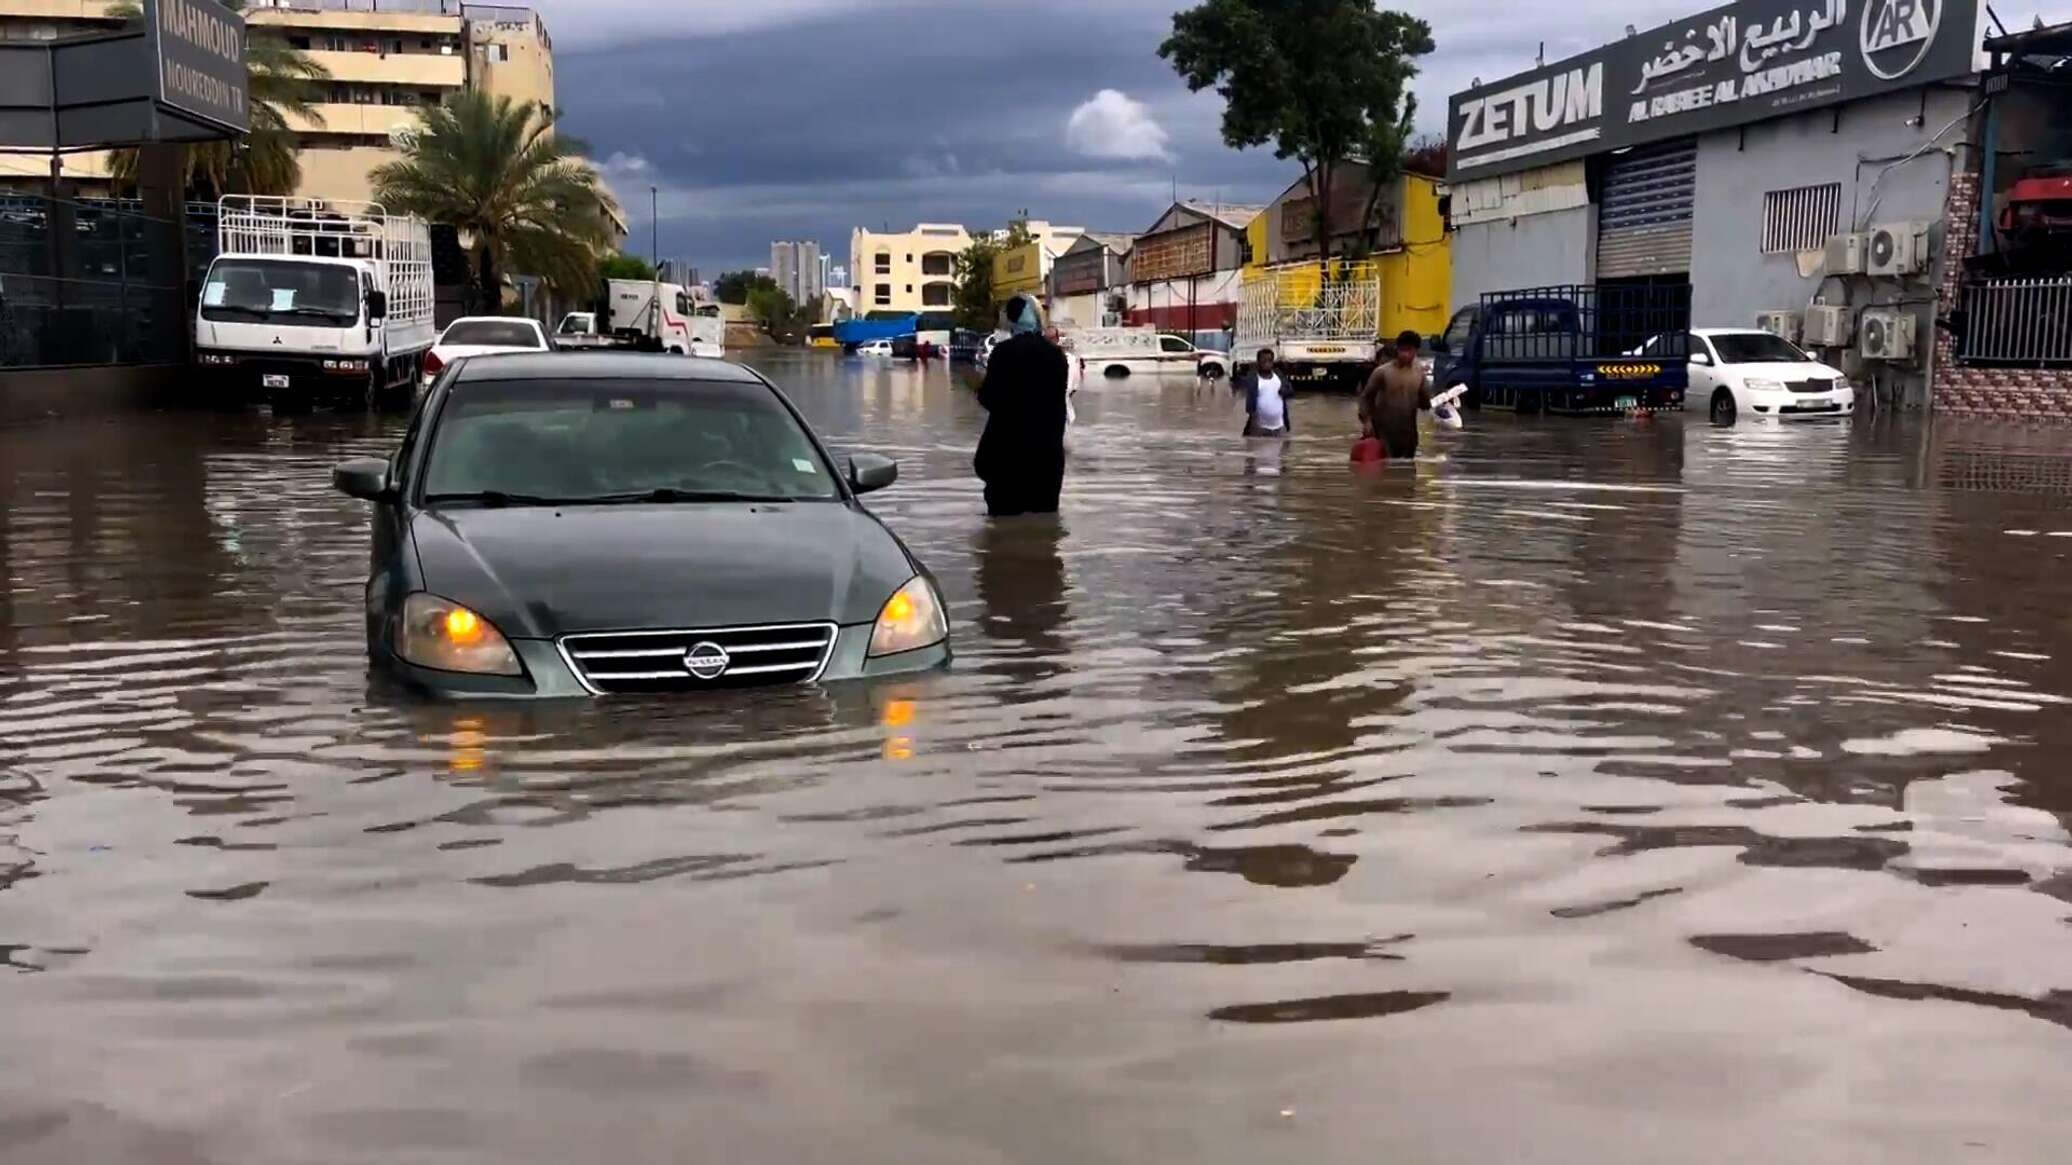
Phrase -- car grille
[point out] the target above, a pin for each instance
(1810, 385)
(662, 661)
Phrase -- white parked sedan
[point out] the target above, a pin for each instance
(482, 335)
(1742, 371)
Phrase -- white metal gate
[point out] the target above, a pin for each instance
(1644, 211)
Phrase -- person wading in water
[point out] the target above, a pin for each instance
(1021, 455)
(1266, 398)
(1392, 396)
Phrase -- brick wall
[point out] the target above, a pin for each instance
(2029, 394)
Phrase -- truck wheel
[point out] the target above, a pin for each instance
(1115, 372)
(1724, 410)
(397, 397)
(289, 403)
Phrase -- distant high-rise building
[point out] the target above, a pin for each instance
(799, 269)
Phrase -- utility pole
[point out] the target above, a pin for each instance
(655, 225)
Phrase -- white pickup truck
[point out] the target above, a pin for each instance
(313, 300)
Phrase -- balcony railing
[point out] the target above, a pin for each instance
(2017, 323)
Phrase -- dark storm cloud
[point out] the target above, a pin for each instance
(805, 118)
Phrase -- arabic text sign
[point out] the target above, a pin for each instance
(1732, 65)
(201, 60)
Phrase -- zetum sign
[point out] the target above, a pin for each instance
(1733, 65)
(199, 47)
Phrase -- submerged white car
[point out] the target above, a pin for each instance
(1740, 372)
(481, 336)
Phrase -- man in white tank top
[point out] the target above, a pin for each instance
(1266, 398)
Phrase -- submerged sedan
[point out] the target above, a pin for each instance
(601, 523)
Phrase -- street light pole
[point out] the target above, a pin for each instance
(655, 226)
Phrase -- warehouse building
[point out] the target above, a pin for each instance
(1794, 161)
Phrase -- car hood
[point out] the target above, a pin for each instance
(1809, 370)
(545, 572)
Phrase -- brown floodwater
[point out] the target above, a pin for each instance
(1588, 791)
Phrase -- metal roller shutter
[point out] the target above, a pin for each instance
(1644, 215)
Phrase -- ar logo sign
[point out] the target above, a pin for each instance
(1895, 35)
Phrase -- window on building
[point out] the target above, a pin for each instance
(299, 42)
(882, 294)
(935, 295)
(395, 45)
(883, 263)
(910, 289)
(936, 263)
(1801, 219)
(500, 53)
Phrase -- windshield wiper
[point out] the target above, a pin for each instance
(497, 497)
(670, 494)
(329, 313)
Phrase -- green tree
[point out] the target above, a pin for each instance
(620, 265)
(495, 169)
(283, 81)
(973, 304)
(735, 286)
(771, 306)
(1325, 81)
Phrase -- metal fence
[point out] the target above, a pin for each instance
(2022, 323)
(88, 282)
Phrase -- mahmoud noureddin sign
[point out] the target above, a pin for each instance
(200, 54)
(1732, 65)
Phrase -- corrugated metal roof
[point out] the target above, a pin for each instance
(1235, 215)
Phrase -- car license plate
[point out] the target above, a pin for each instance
(273, 380)
(1626, 402)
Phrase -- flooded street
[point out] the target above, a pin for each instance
(1589, 791)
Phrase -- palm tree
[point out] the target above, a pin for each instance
(282, 82)
(496, 170)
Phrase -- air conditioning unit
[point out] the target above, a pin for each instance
(1845, 255)
(1888, 334)
(1896, 248)
(1781, 322)
(1827, 326)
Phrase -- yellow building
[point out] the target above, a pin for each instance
(913, 271)
(1018, 271)
(1406, 243)
(383, 66)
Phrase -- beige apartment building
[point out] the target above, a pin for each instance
(384, 65)
(912, 271)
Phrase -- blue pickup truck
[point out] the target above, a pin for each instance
(1576, 348)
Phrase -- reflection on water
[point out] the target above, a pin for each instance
(1625, 791)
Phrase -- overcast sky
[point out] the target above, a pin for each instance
(768, 119)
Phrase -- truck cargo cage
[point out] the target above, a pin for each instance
(1588, 322)
(1294, 303)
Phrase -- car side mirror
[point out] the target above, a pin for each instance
(868, 472)
(377, 305)
(367, 480)
(1701, 359)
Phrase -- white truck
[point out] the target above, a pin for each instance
(316, 299)
(662, 317)
(1324, 327)
(1113, 352)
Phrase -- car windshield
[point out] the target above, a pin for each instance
(606, 441)
(575, 324)
(281, 291)
(1756, 348)
(491, 333)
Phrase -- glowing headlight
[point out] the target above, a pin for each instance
(445, 636)
(1759, 384)
(911, 619)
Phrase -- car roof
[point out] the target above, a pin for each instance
(493, 320)
(606, 366)
(1730, 332)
